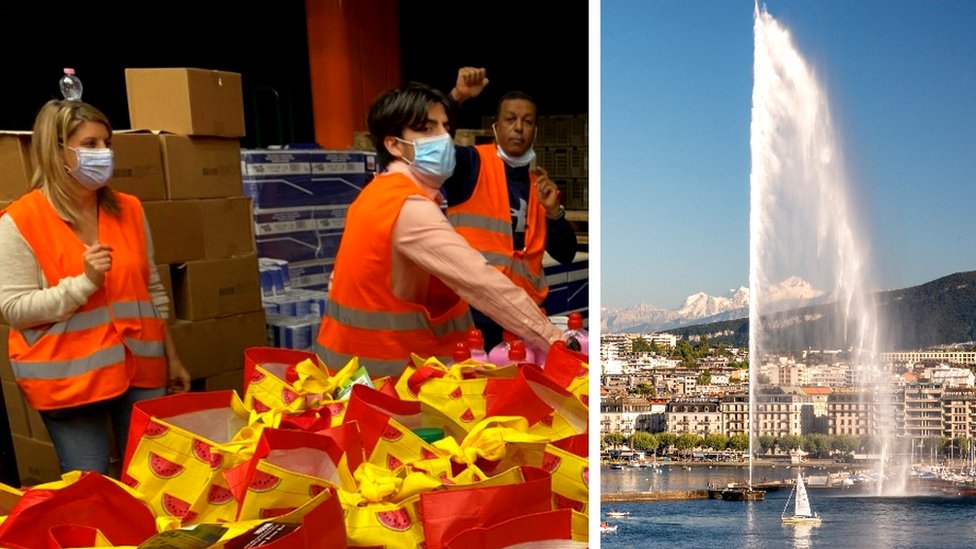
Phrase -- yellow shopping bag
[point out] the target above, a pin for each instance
(180, 446)
(288, 469)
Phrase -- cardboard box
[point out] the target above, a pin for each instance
(195, 345)
(38, 431)
(15, 164)
(167, 280)
(37, 461)
(16, 409)
(233, 380)
(235, 334)
(217, 287)
(228, 227)
(138, 165)
(186, 101)
(177, 230)
(201, 167)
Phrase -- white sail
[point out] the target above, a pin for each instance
(802, 508)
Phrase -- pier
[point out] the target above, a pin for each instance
(661, 495)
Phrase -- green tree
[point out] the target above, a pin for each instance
(666, 441)
(844, 444)
(702, 349)
(790, 442)
(614, 439)
(643, 441)
(816, 444)
(641, 345)
(716, 441)
(704, 378)
(964, 444)
(766, 443)
(687, 441)
(763, 379)
(645, 390)
(684, 352)
(739, 442)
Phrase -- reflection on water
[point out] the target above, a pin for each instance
(802, 534)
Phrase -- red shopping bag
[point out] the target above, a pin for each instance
(316, 525)
(534, 528)
(447, 513)
(93, 502)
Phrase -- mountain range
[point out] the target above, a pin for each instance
(701, 308)
(937, 313)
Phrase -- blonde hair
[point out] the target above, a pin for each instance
(55, 123)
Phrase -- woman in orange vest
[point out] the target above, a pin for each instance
(80, 290)
(403, 276)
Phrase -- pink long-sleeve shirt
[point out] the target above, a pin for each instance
(425, 244)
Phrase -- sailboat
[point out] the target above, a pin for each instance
(801, 510)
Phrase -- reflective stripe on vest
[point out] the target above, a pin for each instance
(395, 321)
(376, 367)
(478, 221)
(92, 319)
(517, 267)
(68, 368)
(79, 321)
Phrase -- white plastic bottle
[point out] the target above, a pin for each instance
(70, 85)
(576, 330)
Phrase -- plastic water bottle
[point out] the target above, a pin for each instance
(70, 85)
(461, 352)
(576, 330)
(476, 345)
(499, 354)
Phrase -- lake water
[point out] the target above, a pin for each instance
(849, 519)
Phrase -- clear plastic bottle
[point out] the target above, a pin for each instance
(576, 330)
(70, 85)
(476, 345)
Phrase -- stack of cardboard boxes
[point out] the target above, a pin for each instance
(200, 220)
(183, 163)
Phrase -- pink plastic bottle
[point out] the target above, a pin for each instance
(539, 354)
(516, 351)
(499, 355)
(576, 330)
(476, 345)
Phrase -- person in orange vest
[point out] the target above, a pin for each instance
(403, 276)
(510, 213)
(80, 290)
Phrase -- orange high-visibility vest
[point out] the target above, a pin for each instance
(363, 317)
(111, 342)
(485, 220)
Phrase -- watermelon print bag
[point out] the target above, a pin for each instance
(180, 446)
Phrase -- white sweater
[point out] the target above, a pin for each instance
(27, 301)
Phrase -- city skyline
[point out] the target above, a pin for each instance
(675, 138)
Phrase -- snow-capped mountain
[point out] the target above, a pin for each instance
(701, 308)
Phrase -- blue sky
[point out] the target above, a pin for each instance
(676, 85)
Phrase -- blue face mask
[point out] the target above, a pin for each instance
(515, 161)
(433, 159)
(95, 167)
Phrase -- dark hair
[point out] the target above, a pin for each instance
(513, 95)
(395, 110)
